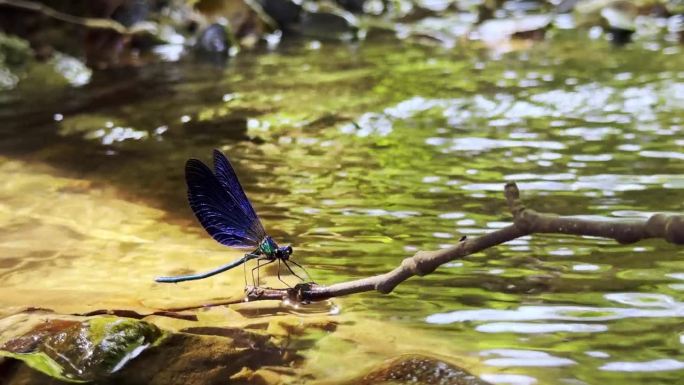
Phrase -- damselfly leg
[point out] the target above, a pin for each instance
(256, 282)
(248, 256)
(280, 279)
(303, 269)
(258, 267)
(244, 272)
(292, 272)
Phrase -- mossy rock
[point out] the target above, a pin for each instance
(108, 350)
(81, 350)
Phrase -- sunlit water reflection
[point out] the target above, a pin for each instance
(359, 156)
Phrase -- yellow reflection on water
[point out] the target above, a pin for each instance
(73, 247)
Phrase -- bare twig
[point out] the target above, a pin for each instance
(667, 227)
(525, 222)
(95, 23)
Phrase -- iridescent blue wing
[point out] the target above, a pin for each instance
(217, 210)
(227, 178)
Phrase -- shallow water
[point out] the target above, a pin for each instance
(359, 156)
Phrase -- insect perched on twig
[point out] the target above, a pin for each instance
(221, 206)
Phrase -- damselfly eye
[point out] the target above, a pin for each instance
(288, 250)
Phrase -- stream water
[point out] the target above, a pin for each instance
(359, 155)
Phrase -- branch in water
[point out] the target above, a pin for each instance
(525, 222)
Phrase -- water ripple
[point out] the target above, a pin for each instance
(646, 305)
(648, 366)
(523, 358)
(510, 379)
(485, 144)
(535, 328)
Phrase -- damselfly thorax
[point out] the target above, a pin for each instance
(270, 249)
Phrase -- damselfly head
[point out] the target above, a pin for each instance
(284, 252)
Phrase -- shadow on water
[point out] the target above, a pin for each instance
(151, 169)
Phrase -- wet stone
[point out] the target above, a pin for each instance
(31, 341)
(115, 350)
(355, 6)
(329, 25)
(284, 12)
(213, 43)
(418, 369)
(186, 359)
(131, 12)
(73, 350)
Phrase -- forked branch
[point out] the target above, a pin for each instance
(525, 222)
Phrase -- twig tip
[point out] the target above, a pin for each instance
(511, 191)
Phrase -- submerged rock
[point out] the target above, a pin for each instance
(328, 26)
(285, 13)
(620, 17)
(186, 359)
(247, 20)
(131, 12)
(214, 39)
(418, 369)
(223, 347)
(214, 43)
(79, 350)
(318, 21)
(355, 6)
(328, 22)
